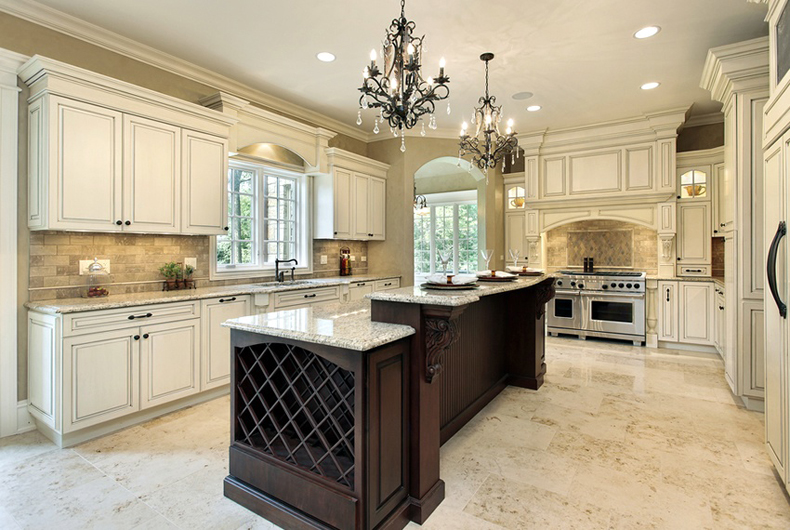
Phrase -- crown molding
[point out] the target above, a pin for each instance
(74, 27)
(713, 118)
(736, 67)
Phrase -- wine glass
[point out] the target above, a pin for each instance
(514, 256)
(445, 256)
(487, 255)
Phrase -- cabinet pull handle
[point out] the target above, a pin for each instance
(223, 300)
(147, 315)
(310, 295)
(667, 294)
(363, 284)
(137, 337)
(781, 231)
(145, 335)
(693, 270)
(387, 284)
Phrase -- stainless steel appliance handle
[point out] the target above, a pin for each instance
(566, 292)
(781, 231)
(608, 294)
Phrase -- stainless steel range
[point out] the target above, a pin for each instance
(608, 304)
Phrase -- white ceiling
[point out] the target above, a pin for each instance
(578, 57)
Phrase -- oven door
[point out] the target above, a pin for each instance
(565, 310)
(622, 313)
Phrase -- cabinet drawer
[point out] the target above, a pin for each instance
(384, 285)
(693, 270)
(305, 297)
(112, 319)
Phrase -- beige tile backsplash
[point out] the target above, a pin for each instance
(135, 260)
(612, 244)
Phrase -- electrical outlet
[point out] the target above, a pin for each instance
(85, 263)
(323, 259)
(364, 258)
(353, 257)
(190, 262)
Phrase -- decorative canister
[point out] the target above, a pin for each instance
(98, 278)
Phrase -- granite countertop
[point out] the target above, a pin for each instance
(76, 305)
(343, 325)
(417, 295)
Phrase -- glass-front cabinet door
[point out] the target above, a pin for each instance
(694, 182)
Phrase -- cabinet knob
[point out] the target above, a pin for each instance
(721, 225)
(145, 336)
(225, 228)
(721, 307)
(119, 222)
(678, 259)
(715, 231)
(335, 233)
(137, 337)
(127, 223)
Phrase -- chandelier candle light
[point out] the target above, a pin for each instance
(488, 146)
(399, 91)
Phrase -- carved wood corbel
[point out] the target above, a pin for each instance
(441, 331)
(544, 292)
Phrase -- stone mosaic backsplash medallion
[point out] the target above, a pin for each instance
(609, 248)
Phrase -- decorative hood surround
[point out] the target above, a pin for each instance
(622, 170)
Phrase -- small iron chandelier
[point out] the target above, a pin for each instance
(487, 150)
(420, 202)
(399, 91)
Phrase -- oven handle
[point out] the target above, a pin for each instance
(573, 293)
(615, 295)
(781, 231)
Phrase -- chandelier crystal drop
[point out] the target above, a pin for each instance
(398, 90)
(488, 145)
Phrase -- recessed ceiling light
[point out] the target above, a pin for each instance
(647, 32)
(522, 95)
(326, 57)
(534, 108)
(650, 86)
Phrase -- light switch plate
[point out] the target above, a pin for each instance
(323, 259)
(85, 263)
(190, 261)
(353, 257)
(364, 258)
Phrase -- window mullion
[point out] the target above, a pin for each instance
(433, 240)
(455, 239)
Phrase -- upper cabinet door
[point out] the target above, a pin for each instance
(152, 171)
(85, 166)
(204, 188)
(694, 232)
(377, 214)
(342, 204)
(360, 202)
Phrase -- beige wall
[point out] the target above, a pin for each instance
(396, 254)
(461, 181)
(702, 137)
(642, 244)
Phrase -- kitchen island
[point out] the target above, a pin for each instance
(338, 412)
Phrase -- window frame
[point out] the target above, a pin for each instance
(454, 199)
(303, 224)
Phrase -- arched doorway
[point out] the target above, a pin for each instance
(449, 227)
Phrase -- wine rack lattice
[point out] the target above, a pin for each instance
(297, 407)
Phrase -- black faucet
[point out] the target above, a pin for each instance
(280, 275)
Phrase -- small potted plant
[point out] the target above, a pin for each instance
(189, 283)
(169, 271)
(179, 276)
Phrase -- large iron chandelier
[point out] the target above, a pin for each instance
(400, 93)
(488, 146)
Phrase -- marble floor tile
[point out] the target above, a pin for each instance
(619, 437)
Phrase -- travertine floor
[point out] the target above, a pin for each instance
(618, 437)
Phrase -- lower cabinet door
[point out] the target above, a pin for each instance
(668, 311)
(215, 343)
(357, 291)
(100, 374)
(696, 313)
(169, 362)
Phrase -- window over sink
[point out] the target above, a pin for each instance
(267, 220)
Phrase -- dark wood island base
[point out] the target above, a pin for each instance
(334, 437)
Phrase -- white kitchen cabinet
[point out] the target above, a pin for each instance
(350, 203)
(204, 184)
(694, 233)
(75, 165)
(151, 175)
(100, 378)
(668, 311)
(685, 313)
(696, 313)
(306, 297)
(719, 199)
(215, 339)
(386, 285)
(357, 291)
(106, 156)
(169, 362)
(515, 236)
